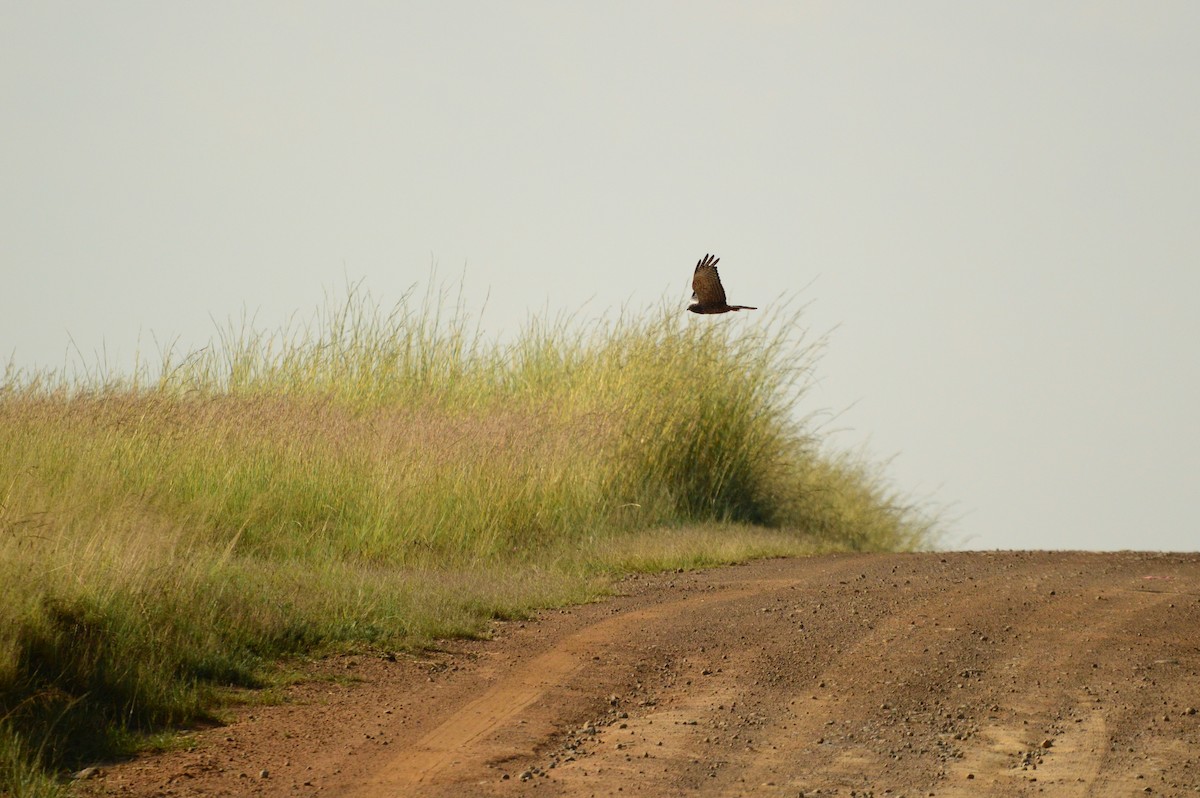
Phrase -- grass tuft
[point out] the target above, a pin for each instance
(382, 477)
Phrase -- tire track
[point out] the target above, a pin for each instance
(473, 733)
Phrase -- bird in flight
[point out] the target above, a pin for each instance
(707, 290)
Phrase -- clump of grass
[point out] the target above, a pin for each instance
(382, 477)
(21, 772)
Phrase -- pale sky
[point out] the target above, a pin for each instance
(994, 207)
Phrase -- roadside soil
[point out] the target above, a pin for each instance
(931, 674)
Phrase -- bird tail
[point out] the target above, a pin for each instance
(741, 307)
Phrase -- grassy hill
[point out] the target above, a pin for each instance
(381, 478)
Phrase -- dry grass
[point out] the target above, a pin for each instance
(381, 478)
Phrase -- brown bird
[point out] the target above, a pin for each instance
(707, 290)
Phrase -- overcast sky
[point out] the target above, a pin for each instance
(994, 207)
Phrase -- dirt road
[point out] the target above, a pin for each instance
(963, 674)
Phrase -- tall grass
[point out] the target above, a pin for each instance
(382, 477)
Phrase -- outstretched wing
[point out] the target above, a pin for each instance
(706, 283)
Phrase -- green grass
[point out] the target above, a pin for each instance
(382, 477)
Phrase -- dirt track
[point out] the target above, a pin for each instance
(961, 674)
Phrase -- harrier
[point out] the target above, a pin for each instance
(707, 290)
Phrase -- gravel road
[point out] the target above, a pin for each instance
(931, 674)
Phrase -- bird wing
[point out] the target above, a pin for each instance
(706, 283)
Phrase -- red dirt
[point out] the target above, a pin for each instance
(961, 674)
